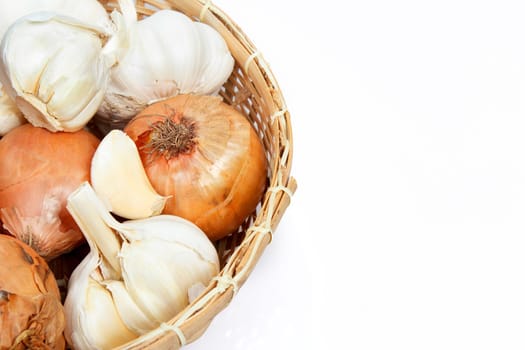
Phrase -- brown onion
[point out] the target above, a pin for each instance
(31, 314)
(206, 156)
(38, 170)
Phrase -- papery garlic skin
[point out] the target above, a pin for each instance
(169, 54)
(10, 115)
(119, 178)
(53, 68)
(142, 297)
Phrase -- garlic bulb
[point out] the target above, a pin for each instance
(119, 178)
(114, 294)
(169, 54)
(10, 115)
(56, 69)
(90, 11)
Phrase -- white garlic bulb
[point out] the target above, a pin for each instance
(119, 178)
(168, 54)
(90, 11)
(114, 294)
(55, 69)
(10, 115)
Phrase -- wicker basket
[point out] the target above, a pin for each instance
(252, 89)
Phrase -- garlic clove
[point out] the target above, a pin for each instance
(119, 178)
(97, 324)
(161, 301)
(53, 68)
(133, 317)
(102, 324)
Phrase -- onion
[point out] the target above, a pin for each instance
(31, 315)
(206, 156)
(38, 170)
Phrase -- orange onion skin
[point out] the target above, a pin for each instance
(218, 181)
(38, 170)
(31, 313)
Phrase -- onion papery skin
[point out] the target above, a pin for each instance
(38, 170)
(217, 178)
(31, 314)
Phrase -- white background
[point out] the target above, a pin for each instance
(407, 229)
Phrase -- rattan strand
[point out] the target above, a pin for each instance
(205, 8)
(250, 59)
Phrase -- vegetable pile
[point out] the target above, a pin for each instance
(114, 137)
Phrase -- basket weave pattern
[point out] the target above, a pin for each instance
(253, 90)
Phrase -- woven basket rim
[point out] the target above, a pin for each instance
(192, 322)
